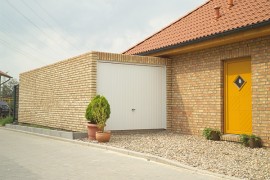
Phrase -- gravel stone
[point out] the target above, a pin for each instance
(222, 157)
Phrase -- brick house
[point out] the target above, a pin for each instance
(220, 67)
(210, 68)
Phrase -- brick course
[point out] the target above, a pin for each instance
(197, 87)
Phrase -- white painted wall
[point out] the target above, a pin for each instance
(133, 86)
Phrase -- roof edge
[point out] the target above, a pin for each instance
(204, 38)
(4, 74)
(168, 25)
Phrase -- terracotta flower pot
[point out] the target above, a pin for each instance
(103, 136)
(92, 129)
(253, 143)
(215, 136)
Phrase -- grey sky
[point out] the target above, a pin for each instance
(34, 33)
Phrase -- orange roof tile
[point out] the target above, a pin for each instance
(202, 22)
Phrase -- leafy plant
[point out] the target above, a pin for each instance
(101, 111)
(208, 133)
(244, 139)
(250, 140)
(89, 112)
(256, 139)
(6, 120)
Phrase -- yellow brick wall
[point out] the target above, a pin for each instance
(260, 53)
(197, 87)
(57, 95)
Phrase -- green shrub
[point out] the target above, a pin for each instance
(88, 113)
(101, 111)
(207, 133)
(244, 139)
(6, 120)
(98, 111)
(257, 140)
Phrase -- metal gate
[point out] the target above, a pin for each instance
(16, 103)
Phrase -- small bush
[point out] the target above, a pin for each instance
(244, 139)
(257, 141)
(98, 111)
(256, 138)
(250, 140)
(89, 113)
(6, 120)
(101, 111)
(207, 133)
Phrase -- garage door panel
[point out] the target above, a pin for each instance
(135, 87)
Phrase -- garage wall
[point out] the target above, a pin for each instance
(57, 95)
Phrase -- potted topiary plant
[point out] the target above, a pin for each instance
(255, 141)
(101, 112)
(92, 126)
(211, 134)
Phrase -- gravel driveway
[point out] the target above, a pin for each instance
(217, 156)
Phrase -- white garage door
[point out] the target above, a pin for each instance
(136, 93)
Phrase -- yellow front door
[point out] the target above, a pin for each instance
(238, 107)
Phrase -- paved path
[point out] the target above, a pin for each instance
(26, 156)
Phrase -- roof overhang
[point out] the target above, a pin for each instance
(4, 74)
(232, 36)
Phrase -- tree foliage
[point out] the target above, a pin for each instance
(7, 88)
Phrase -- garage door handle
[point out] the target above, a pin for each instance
(133, 109)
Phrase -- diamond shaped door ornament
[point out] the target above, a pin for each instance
(239, 82)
